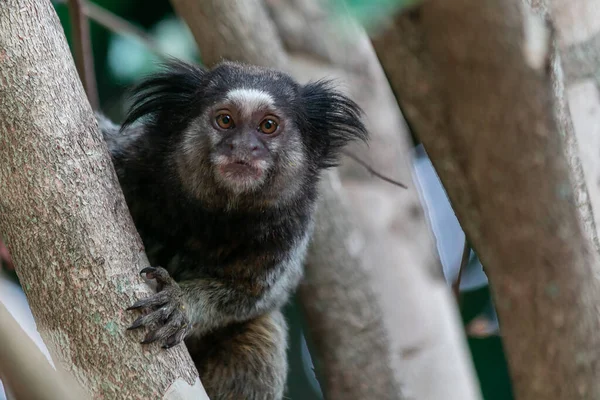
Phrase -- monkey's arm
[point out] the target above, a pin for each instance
(205, 304)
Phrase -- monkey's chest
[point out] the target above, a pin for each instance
(228, 259)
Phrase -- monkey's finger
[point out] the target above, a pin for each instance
(179, 320)
(161, 333)
(159, 315)
(147, 270)
(169, 329)
(157, 300)
(160, 274)
(177, 338)
(151, 337)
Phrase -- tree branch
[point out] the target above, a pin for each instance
(577, 95)
(66, 223)
(84, 56)
(474, 80)
(25, 371)
(372, 171)
(463, 265)
(118, 25)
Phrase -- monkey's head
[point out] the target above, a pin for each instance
(243, 129)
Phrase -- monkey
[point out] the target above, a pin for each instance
(220, 170)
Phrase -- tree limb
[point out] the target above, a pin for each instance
(84, 56)
(373, 172)
(66, 223)
(118, 25)
(576, 48)
(474, 80)
(464, 260)
(578, 99)
(24, 369)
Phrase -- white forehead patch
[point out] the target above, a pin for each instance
(249, 100)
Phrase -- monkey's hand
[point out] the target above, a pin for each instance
(166, 317)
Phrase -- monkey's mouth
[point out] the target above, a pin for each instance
(236, 170)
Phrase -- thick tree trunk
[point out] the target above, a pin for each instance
(321, 44)
(577, 24)
(474, 80)
(229, 30)
(574, 66)
(65, 221)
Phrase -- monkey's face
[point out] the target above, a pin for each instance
(250, 140)
(246, 129)
(246, 137)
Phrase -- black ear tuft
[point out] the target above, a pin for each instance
(169, 93)
(331, 120)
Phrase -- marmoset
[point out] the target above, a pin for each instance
(220, 170)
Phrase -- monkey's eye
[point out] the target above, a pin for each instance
(225, 121)
(268, 126)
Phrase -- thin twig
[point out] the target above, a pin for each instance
(372, 171)
(463, 264)
(119, 25)
(84, 58)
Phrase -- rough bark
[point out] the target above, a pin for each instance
(473, 78)
(577, 24)
(65, 221)
(366, 342)
(575, 117)
(321, 44)
(576, 98)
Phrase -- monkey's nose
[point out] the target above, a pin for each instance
(245, 147)
(256, 151)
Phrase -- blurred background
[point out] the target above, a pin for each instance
(121, 59)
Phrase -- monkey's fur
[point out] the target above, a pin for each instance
(228, 212)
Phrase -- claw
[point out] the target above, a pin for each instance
(136, 305)
(177, 338)
(159, 274)
(159, 315)
(136, 324)
(167, 319)
(150, 338)
(157, 300)
(169, 345)
(148, 270)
